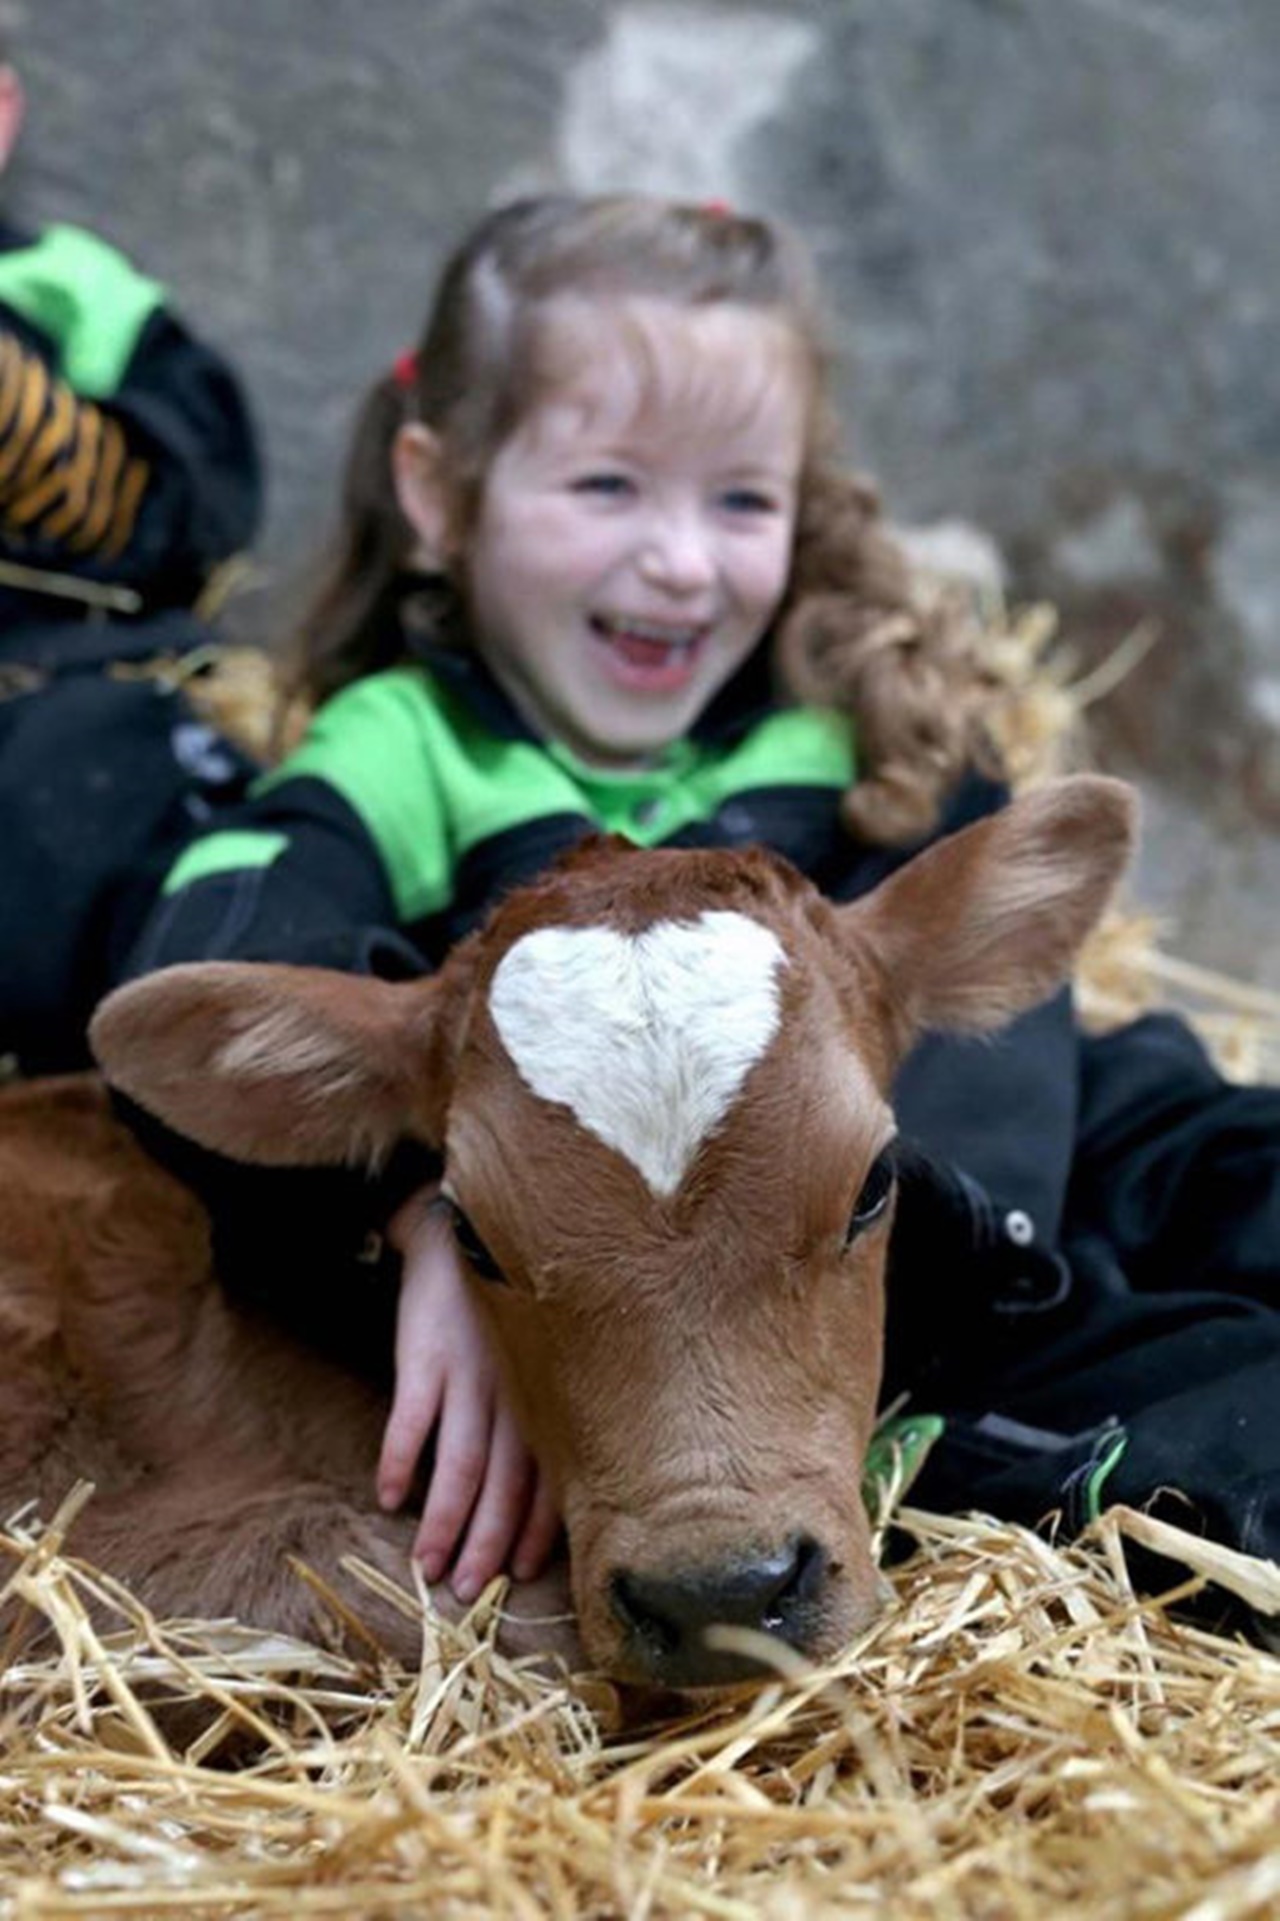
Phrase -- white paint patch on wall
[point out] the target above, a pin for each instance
(1244, 565)
(647, 1038)
(664, 105)
(1263, 698)
(1115, 545)
(956, 553)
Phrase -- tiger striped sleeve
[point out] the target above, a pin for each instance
(68, 480)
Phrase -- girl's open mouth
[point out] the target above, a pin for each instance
(648, 655)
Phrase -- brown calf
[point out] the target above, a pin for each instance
(661, 1083)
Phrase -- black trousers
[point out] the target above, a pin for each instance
(1138, 1359)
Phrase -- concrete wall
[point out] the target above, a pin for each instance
(1045, 225)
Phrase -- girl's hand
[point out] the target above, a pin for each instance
(488, 1503)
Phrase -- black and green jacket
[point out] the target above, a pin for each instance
(419, 796)
(128, 462)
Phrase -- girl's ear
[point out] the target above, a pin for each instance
(13, 106)
(417, 469)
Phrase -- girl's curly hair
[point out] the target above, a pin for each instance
(862, 632)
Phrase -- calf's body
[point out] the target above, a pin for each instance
(218, 1446)
(661, 1085)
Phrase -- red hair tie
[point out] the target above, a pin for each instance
(404, 370)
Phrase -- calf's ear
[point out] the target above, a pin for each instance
(990, 921)
(281, 1065)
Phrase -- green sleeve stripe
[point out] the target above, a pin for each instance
(224, 853)
(87, 297)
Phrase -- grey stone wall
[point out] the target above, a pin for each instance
(1046, 227)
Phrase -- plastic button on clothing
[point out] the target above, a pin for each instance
(1019, 1227)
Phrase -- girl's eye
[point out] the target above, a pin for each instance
(610, 486)
(748, 500)
(872, 1202)
(472, 1248)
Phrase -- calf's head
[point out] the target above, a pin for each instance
(661, 1084)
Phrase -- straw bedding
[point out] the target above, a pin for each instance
(1018, 1734)
(1021, 1734)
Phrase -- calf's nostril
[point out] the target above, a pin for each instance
(809, 1564)
(643, 1607)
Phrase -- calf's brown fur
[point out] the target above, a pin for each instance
(698, 1369)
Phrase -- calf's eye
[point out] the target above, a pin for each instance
(877, 1191)
(472, 1248)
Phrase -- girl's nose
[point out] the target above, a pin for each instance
(676, 554)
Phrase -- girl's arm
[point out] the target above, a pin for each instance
(488, 1504)
(291, 876)
(300, 876)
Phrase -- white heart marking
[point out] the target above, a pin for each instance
(646, 1037)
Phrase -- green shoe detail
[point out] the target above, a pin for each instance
(899, 1448)
(1108, 1459)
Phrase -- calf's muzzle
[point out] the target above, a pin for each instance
(665, 1617)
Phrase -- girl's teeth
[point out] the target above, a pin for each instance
(639, 630)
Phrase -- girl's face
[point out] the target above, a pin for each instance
(634, 533)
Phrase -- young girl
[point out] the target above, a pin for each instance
(600, 569)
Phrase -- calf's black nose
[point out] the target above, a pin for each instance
(666, 1615)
